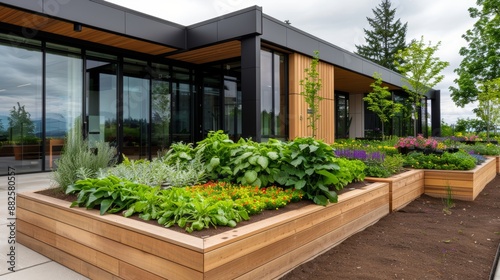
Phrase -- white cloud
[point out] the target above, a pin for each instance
(342, 23)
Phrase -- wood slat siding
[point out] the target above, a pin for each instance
(403, 188)
(222, 51)
(298, 108)
(63, 28)
(465, 185)
(114, 247)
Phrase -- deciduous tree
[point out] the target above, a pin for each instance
(380, 101)
(421, 71)
(489, 104)
(481, 56)
(311, 85)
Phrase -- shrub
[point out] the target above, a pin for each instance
(78, 160)
(447, 161)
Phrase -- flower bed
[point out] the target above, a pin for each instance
(403, 187)
(465, 185)
(114, 246)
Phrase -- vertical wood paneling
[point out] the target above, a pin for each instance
(298, 108)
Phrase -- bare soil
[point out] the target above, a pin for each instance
(424, 240)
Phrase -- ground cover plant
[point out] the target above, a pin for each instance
(381, 158)
(446, 161)
(192, 208)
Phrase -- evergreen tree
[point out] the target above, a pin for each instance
(386, 38)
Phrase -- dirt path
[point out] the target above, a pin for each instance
(424, 240)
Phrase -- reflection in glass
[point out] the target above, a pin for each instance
(21, 107)
(101, 101)
(64, 84)
(161, 114)
(232, 107)
(211, 102)
(274, 108)
(135, 109)
(181, 105)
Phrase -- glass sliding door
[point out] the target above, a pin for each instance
(161, 112)
(342, 119)
(273, 97)
(21, 128)
(212, 120)
(136, 88)
(101, 98)
(232, 107)
(181, 105)
(63, 87)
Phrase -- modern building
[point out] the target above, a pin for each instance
(141, 83)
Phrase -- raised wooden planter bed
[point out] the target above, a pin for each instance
(465, 185)
(111, 246)
(403, 188)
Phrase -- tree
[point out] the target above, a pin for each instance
(421, 72)
(21, 127)
(386, 38)
(481, 56)
(311, 86)
(470, 125)
(380, 101)
(489, 104)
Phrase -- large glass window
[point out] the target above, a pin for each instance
(135, 109)
(64, 87)
(101, 98)
(342, 119)
(181, 106)
(21, 107)
(161, 112)
(274, 102)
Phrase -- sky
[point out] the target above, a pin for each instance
(342, 22)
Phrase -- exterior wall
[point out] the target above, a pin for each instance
(357, 113)
(298, 108)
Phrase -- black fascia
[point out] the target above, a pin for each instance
(236, 25)
(110, 17)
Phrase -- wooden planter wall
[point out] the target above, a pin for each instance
(403, 188)
(465, 185)
(111, 246)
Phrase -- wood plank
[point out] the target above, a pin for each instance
(346, 201)
(228, 262)
(69, 261)
(180, 246)
(152, 263)
(84, 253)
(285, 263)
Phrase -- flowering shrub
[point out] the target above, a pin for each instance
(417, 142)
(407, 142)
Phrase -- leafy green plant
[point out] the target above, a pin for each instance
(256, 163)
(216, 149)
(111, 194)
(310, 165)
(447, 161)
(192, 208)
(486, 149)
